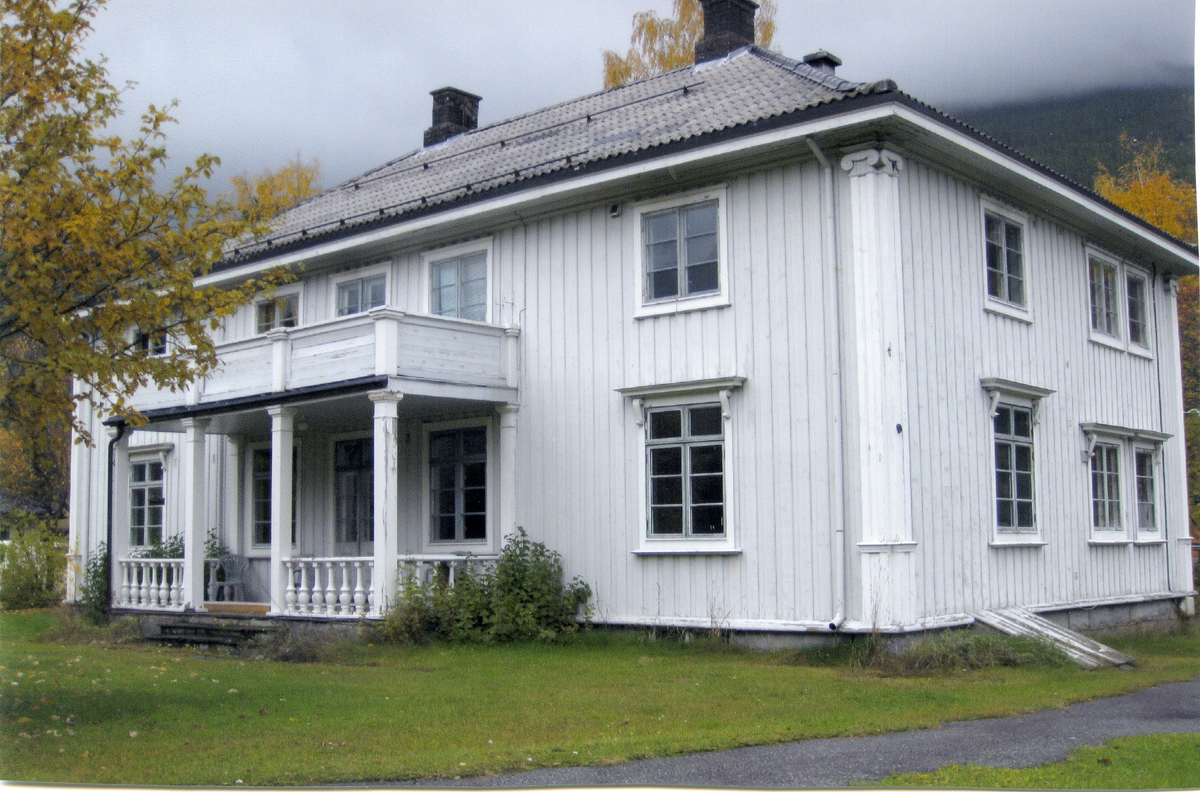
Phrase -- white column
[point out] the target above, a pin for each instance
(881, 386)
(508, 469)
(386, 497)
(195, 524)
(281, 502)
(120, 510)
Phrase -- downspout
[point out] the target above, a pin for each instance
(829, 253)
(108, 541)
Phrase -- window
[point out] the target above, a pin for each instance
(458, 286)
(458, 485)
(681, 251)
(680, 243)
(1106, 487)
(260, 495)
(154, 343)
(1135, 294)
(146, 502)
(1013, 430)
(354, 485)
(685, 465)
(1103, 288)
(1143, 475)
(361, 294)
(281, 311)
(1005, 259)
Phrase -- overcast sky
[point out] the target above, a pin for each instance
(348, 81)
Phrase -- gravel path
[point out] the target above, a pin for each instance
(1024, 741)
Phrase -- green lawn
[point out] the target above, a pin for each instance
(149, 715)
(1159, 761)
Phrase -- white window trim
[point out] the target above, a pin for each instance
(297, 290)
(1127, 440)
(635, 251)
(264, 550)
(1017, 394)
(1125, 270)
(431, 257)
(1022, 313)
(644, 398)
(382, 268)
(490, 545)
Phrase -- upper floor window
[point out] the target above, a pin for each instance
(361, 294)
(154, 343)
(458, 286)
(681, 246)
(1119, 296)
(279, 311)
(1005, 259)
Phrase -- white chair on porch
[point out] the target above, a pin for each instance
(231, 587)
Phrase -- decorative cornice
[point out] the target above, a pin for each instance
(873, 161)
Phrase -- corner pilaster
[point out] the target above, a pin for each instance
(195, 488)
(387, 498)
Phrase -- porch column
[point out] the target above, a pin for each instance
(118, 510)
(281, 503)
(386, 498)
(879, 467)
(508, 469)
(195, 488)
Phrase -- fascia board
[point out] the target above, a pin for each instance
(1184, 261)
(552, 193)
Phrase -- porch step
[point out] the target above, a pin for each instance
(1085, 652)
(196, 632)
(253, 608)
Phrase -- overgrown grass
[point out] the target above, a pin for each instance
(136, 713)
(1157, 761)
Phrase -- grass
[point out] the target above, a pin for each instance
(134, 713)
(1157, 761)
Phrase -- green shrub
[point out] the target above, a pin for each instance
(34, 567)
(73, 626)
(971, 649)
(521, 598)
(95, 593)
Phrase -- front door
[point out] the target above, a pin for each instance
(354, 504)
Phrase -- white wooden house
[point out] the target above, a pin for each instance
(750, 345)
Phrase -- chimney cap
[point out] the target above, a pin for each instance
(450, 90)
(825, 61)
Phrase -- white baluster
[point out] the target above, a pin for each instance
(125, 579)
(360, 594)
(289, 596)
(144, 591)
(345, 598)
(304, 596)
(330, 591)
(210, 569)
(177, 594)
(317, 591)
(158, 588)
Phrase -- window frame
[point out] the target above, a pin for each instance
(1010, 393)
(1129, 444)
(155, 344)
(365, 274)
(1125, 271)
(1001, 305)
(276, 323)
(646, 307)
(263, 549)
(146, 457)
(491, 542)
(644, 399)
(429, 258)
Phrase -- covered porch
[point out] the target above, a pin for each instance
(317, 500)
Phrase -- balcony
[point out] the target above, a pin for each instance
(427, 355)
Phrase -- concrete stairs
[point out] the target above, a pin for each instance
(1085, 652)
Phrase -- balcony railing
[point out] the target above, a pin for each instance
(150, 583)
(383, 342)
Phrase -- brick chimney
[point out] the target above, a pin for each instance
(454, 112)
(728, 25)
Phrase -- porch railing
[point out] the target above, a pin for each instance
(339, 587)
(150, 583)
(429, 567)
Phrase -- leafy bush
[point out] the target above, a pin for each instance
(72, 626)
(34, 567)
(94, 592)
(521, 598)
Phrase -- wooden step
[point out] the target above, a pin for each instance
(1085, 652)
(254, 608)
(206, 632)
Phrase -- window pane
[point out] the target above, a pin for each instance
(664, 491)
(1004, 456)
(666, 461)
(664, 283)
(993, 227)
(155, 471)
(1024, 514)
(1024, 486)
(661, 226)
(138, 472)
(475, 474)
(664, 255)
(702, 278)
(474, 526)
(666, 520)
(701, 218)
(706, 459)
(1024, 455)
(474, 501)
(1021, 423)
(375, 291)
(1002, 423)
(708, 520)
(666, 424)
(1004, 514)
(266, 317)
(348, 298)
(704, 421)
(702, 249)
(708, 489)
(1004, 485)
